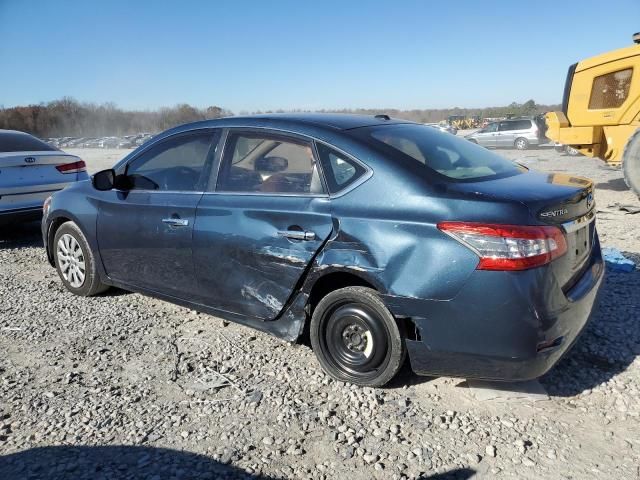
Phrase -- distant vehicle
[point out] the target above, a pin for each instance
(600, 114)
(30, 171)
(520, 133)
(126, 143)
(90, 143)
(109, 142)
(379, 237)
(143, 140)
(443, 127)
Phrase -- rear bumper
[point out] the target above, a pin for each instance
(20, 215)
(501, 326)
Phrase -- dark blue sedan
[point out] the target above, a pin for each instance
(378, 237)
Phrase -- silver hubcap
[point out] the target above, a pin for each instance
(521, 144)
(71, 260)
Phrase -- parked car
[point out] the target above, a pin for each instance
(142, 140)
(520, 133)
(379, 237)
(126, 142)
(108, 142)
(30, 170)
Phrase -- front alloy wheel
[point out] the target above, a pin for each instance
(71, 260)
(75, 261)
(355, 337)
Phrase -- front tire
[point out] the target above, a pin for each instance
(521, 143)
(631, 163)
(356, 338)
(75, 261)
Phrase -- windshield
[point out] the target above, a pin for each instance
(443, 153)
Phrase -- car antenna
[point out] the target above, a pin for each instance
(382, 116)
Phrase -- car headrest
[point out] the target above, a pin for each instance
(271, 164)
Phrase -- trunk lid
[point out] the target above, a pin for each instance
(22, 171)
(559, 199)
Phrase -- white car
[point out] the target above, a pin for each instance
(30, 171)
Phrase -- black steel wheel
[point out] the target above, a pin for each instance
(355, 337)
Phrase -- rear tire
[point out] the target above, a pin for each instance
(356, 338)
(521, 143)
(631, 163)
(75, 261)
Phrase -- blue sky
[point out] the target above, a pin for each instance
(250, 55)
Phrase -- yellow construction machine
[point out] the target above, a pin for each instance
(600, 114)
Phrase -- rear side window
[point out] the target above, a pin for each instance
(452, 157)
(339, 170)
(515, 125)
(521, 125)
(22, 142)
(265, 163)
(610, 90)
(174, 164)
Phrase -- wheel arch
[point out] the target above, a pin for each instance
(52, 228)
(330, 281)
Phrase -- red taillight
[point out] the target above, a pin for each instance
(508, 247)
(74, 167)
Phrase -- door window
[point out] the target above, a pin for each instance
(492, 127)
(505, 126)
(175, 164)
(340, 171)
(263, 163)
(610, 90)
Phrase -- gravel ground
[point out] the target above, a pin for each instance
(124, 386)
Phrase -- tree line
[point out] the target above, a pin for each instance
(68, 117)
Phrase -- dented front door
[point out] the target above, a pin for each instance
(250, 251)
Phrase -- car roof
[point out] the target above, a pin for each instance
(337, 121)
(327, 121)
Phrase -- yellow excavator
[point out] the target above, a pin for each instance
(600, 114)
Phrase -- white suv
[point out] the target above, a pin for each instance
(517, 132)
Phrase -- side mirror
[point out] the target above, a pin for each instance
(104, 180)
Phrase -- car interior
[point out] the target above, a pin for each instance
(269, 166)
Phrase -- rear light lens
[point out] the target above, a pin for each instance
(508, 247)
(74, 167)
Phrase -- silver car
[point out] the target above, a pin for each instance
(30, 171)
(520, 133)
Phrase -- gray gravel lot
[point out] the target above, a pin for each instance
(125, 386)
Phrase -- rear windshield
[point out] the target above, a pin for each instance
(453, 157)
(22, 142)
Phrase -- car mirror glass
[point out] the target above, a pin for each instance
(104, 180)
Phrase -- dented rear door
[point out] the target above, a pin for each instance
(250, 251)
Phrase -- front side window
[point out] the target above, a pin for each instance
(610, 90)
(492, 127)
(452, 157)
(506, 126)
(339, 170)
(175, 164)
(264, 163)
